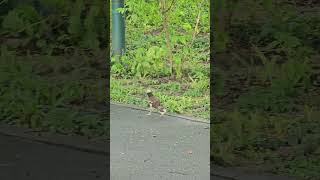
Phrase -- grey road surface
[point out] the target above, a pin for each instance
(22, 159)
(152, 147)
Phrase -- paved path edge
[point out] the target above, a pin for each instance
(130, 106)
(96, 146)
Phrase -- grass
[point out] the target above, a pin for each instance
(179, 97)
(282, 143)
(53, 93)
(272, 127)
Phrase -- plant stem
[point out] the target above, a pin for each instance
(165, 14)
(197, 24)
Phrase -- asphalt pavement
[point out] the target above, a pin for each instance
(141, 148)
(23, 159)
(152, 147)
(166, 148)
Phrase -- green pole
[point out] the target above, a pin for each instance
(118, 28)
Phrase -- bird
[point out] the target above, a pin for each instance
(154, 103)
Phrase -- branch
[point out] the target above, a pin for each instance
(172, 2)
(163, 8)
(197, 23)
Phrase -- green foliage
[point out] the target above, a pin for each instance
(279, 97)
(274, 42)
(235, 135)
(92, 27)
(146, 45)
(64, 25)
(172, 95)
(198, 87)
(173, 86)
(281, 55)
(218, 81)
(167, 51)
(75, 27)
(27, 99)
(142, 63)
(66, 37)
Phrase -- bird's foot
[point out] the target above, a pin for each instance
(162, 112)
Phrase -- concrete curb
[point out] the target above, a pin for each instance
(167, 114)
(96, 146)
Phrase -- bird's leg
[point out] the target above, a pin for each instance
(150, 109)
(162, 112)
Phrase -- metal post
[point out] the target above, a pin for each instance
(118, 28)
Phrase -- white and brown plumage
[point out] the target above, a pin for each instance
(154, 103)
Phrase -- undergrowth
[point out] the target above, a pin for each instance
(267, 57)
(27, 99)
(167, 51)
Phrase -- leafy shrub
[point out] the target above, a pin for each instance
(35, 22)
(27, 99)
